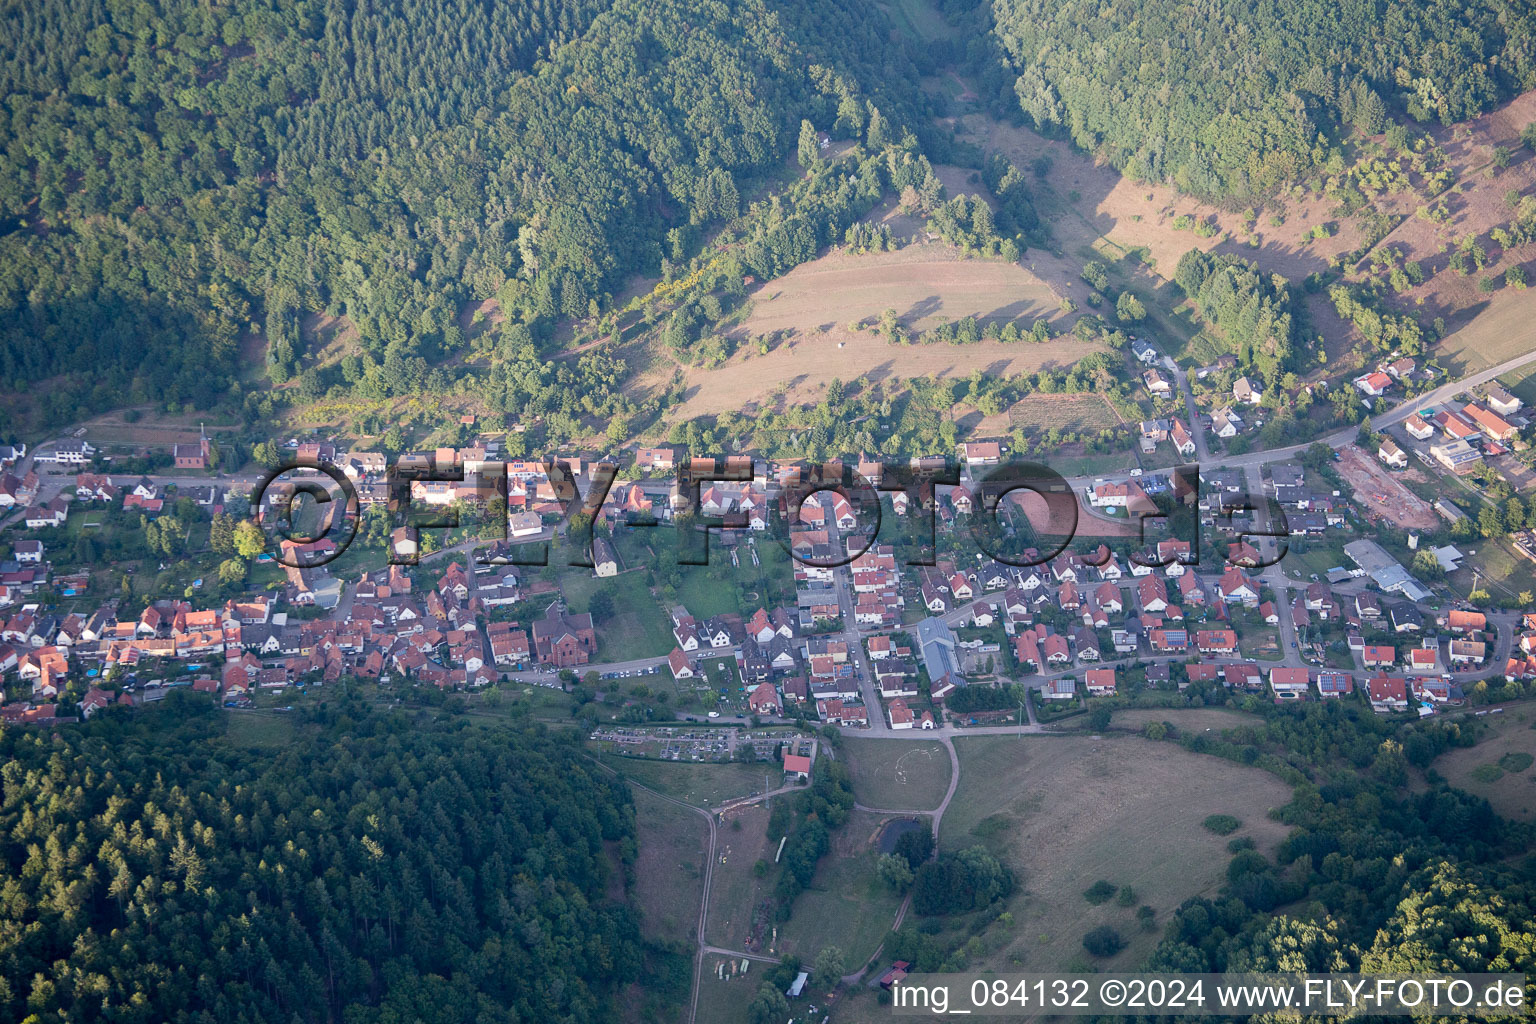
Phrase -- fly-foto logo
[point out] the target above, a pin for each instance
(424, 493)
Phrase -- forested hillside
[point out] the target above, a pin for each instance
(376, 869)
(1232, 100)
(174, 173)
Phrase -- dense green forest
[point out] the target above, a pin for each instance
(1233, 100)
(376, 868)
(1250, 311)
(177, 175)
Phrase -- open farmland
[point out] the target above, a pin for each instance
(924, 284)
(1499, 767)
(797, 371)
(1065, 412)
(897, 775)
(1064, 812)
(1499, 333)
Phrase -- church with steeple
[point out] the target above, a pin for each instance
(193, 456)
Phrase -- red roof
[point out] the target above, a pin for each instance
(1384, 688)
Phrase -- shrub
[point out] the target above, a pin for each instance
(1127, 897)
(1103, 941)
(1223, 824)
(1100, 892)
(1487, 773)
(1516, 761)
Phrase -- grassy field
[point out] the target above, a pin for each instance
(897, 775)
(705, 596)
(1496, 334)
(639, 627)
(918, 20)
(706, 785)
(1065, 812)
(923, 283)
(847, 905)
(735, 890)
(264, 729)
(669, 876)
(1190, 719)
(1503, 572)
(1487, 769)
(1086, 465)
(1521, 383)
(1076, 413)
(725, 1002)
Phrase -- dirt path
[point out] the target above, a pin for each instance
(937, 814)
(709, 872)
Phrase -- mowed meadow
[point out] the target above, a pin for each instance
(1064, 812)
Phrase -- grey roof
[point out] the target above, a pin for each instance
(938, 647)
(1385, 570)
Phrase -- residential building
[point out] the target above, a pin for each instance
(1458, 456)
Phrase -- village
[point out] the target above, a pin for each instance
(1262, 579)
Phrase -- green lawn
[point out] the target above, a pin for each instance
(897, 775)
(705, 595)
(706, 785)
(639, 627)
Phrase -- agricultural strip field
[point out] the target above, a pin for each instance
(897, 775)
(669, 876)
(1064, 812)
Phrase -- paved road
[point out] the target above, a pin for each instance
(1273, 575)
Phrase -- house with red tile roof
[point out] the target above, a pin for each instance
(1387, 693)
(764, 700)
